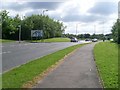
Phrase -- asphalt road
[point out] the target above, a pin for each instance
(77, 71)
(15, 54)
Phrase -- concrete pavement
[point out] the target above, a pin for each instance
(77, 71)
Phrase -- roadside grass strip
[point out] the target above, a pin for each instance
(0, 81)
(5, 41)
(53, 40)
(106, 57)
(17, 77)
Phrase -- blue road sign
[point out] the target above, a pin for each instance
(36, 33)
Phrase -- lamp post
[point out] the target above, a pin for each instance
(94, 29)
(77, 27)
(19, 26)
(19, 33)
(43, 12)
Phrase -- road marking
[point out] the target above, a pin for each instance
(1, 46)
(5, 52)
(90, 70)
(12, 45)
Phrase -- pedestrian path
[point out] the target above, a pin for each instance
(77, 71)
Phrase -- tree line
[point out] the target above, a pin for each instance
(116, 32)
(10, 26)
(88, 36)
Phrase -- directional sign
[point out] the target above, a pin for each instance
(36, 33)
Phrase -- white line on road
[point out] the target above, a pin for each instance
(1, 46)
(90, 69)
(5, 52)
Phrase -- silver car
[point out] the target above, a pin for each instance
(94, 40)
(74, 40)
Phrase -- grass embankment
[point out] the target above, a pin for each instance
(106, 56)
(44, 40)
(53, 40)
(21, 75)
(5, 40)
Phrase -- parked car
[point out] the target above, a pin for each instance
(94, 40)
(74, 40)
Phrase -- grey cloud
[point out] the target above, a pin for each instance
(13, 6)
(43, 5)
(16, 6)
(83, 18)
(31, 13)
(104, 8)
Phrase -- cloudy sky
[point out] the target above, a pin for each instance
(88, 15)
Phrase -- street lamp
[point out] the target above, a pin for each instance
(44, 11)
(77, 27)
(43, 19)
(94, 29)
(19, 33)
(19, 28)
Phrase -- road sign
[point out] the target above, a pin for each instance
(36, 33)
(119, 10)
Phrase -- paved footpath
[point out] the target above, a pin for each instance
(77, 71)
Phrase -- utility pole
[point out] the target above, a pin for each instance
(19, 33)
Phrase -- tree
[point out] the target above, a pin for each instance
(51, 28)
(86, 35)
(116, 32)
(9, 25)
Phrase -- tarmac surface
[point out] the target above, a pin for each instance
(15, 54)
(77, 71)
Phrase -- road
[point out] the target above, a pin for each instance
(15, 54)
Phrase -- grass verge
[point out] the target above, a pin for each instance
(5, 41)
(53, 40)
(21, 75)
(106, 56)
(0, 81)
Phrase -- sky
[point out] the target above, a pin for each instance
(80, 16)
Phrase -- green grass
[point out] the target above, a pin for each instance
(0, 81)
(5, 41)
(53, 40)
(106, 56)
(19, 76)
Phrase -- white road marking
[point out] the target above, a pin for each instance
(1, 46)
(12, 45)
(90, 69)
(5, 52)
